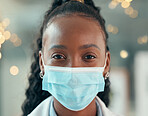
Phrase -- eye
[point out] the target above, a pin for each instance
(58, 56)
(89, 57)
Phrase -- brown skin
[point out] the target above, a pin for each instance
(83, 45)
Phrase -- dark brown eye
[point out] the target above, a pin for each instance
(89, 57)
(58, 56)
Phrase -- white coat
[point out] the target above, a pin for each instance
(43, 108)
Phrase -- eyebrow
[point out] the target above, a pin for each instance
(88, 46)
(81, 47)
(58, 47)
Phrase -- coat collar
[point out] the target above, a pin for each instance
(43, 108)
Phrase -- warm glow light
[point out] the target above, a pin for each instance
(2, 30)
(115, 30)
(125, 4)
(142, 40)
(109, 28)
(5, 22)
(129, 10)
(1, 24)
(7, 35)
(139, 41)
(134, 14)
(123, 54)
(120, 0)
(4, 35)
(145, 39)
(1, 34)
(113, 4)
(13, 38)
(18, 42)
(14, 70)
(128, 0)
(0, 55)
(2, 39)
(112, 29)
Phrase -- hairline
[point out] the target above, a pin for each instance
(83, 15)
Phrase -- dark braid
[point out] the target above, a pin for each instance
(34, 93)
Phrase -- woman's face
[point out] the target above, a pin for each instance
(74, 42)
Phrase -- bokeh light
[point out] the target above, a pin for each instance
(113, 4)
(2, 39)
(14, 70)
(1, 34)
(123, 54)
(1, 29)
(4, 35)
(18, 42)
(129, 10)
(13, 38)
(115, 30)
(120, 0)
(109, 28)
(112, 29)
(128, 0)
(142, 40)
(5, 22)
(7, 35)
(125, 4)
(134, 14)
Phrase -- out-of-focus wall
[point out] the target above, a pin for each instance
(141, 83)
(13, 87)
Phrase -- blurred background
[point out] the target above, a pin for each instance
(127, 25)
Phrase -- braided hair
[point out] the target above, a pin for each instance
(34, 93)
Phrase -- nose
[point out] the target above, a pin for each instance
(75, 62)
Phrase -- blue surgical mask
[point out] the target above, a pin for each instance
(74, 88)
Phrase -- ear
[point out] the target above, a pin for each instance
(41, 62)
(107, 67)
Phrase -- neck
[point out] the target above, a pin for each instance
(90, 110)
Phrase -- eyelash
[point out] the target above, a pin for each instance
(90, 56)
(59, 55)
(63, 57)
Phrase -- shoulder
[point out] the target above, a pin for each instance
(42, 108)
(105, 110)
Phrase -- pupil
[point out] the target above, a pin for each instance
(89, 57)
(58, 57)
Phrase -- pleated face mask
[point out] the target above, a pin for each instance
(74, 88)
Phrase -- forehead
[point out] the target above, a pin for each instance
(68, 29)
